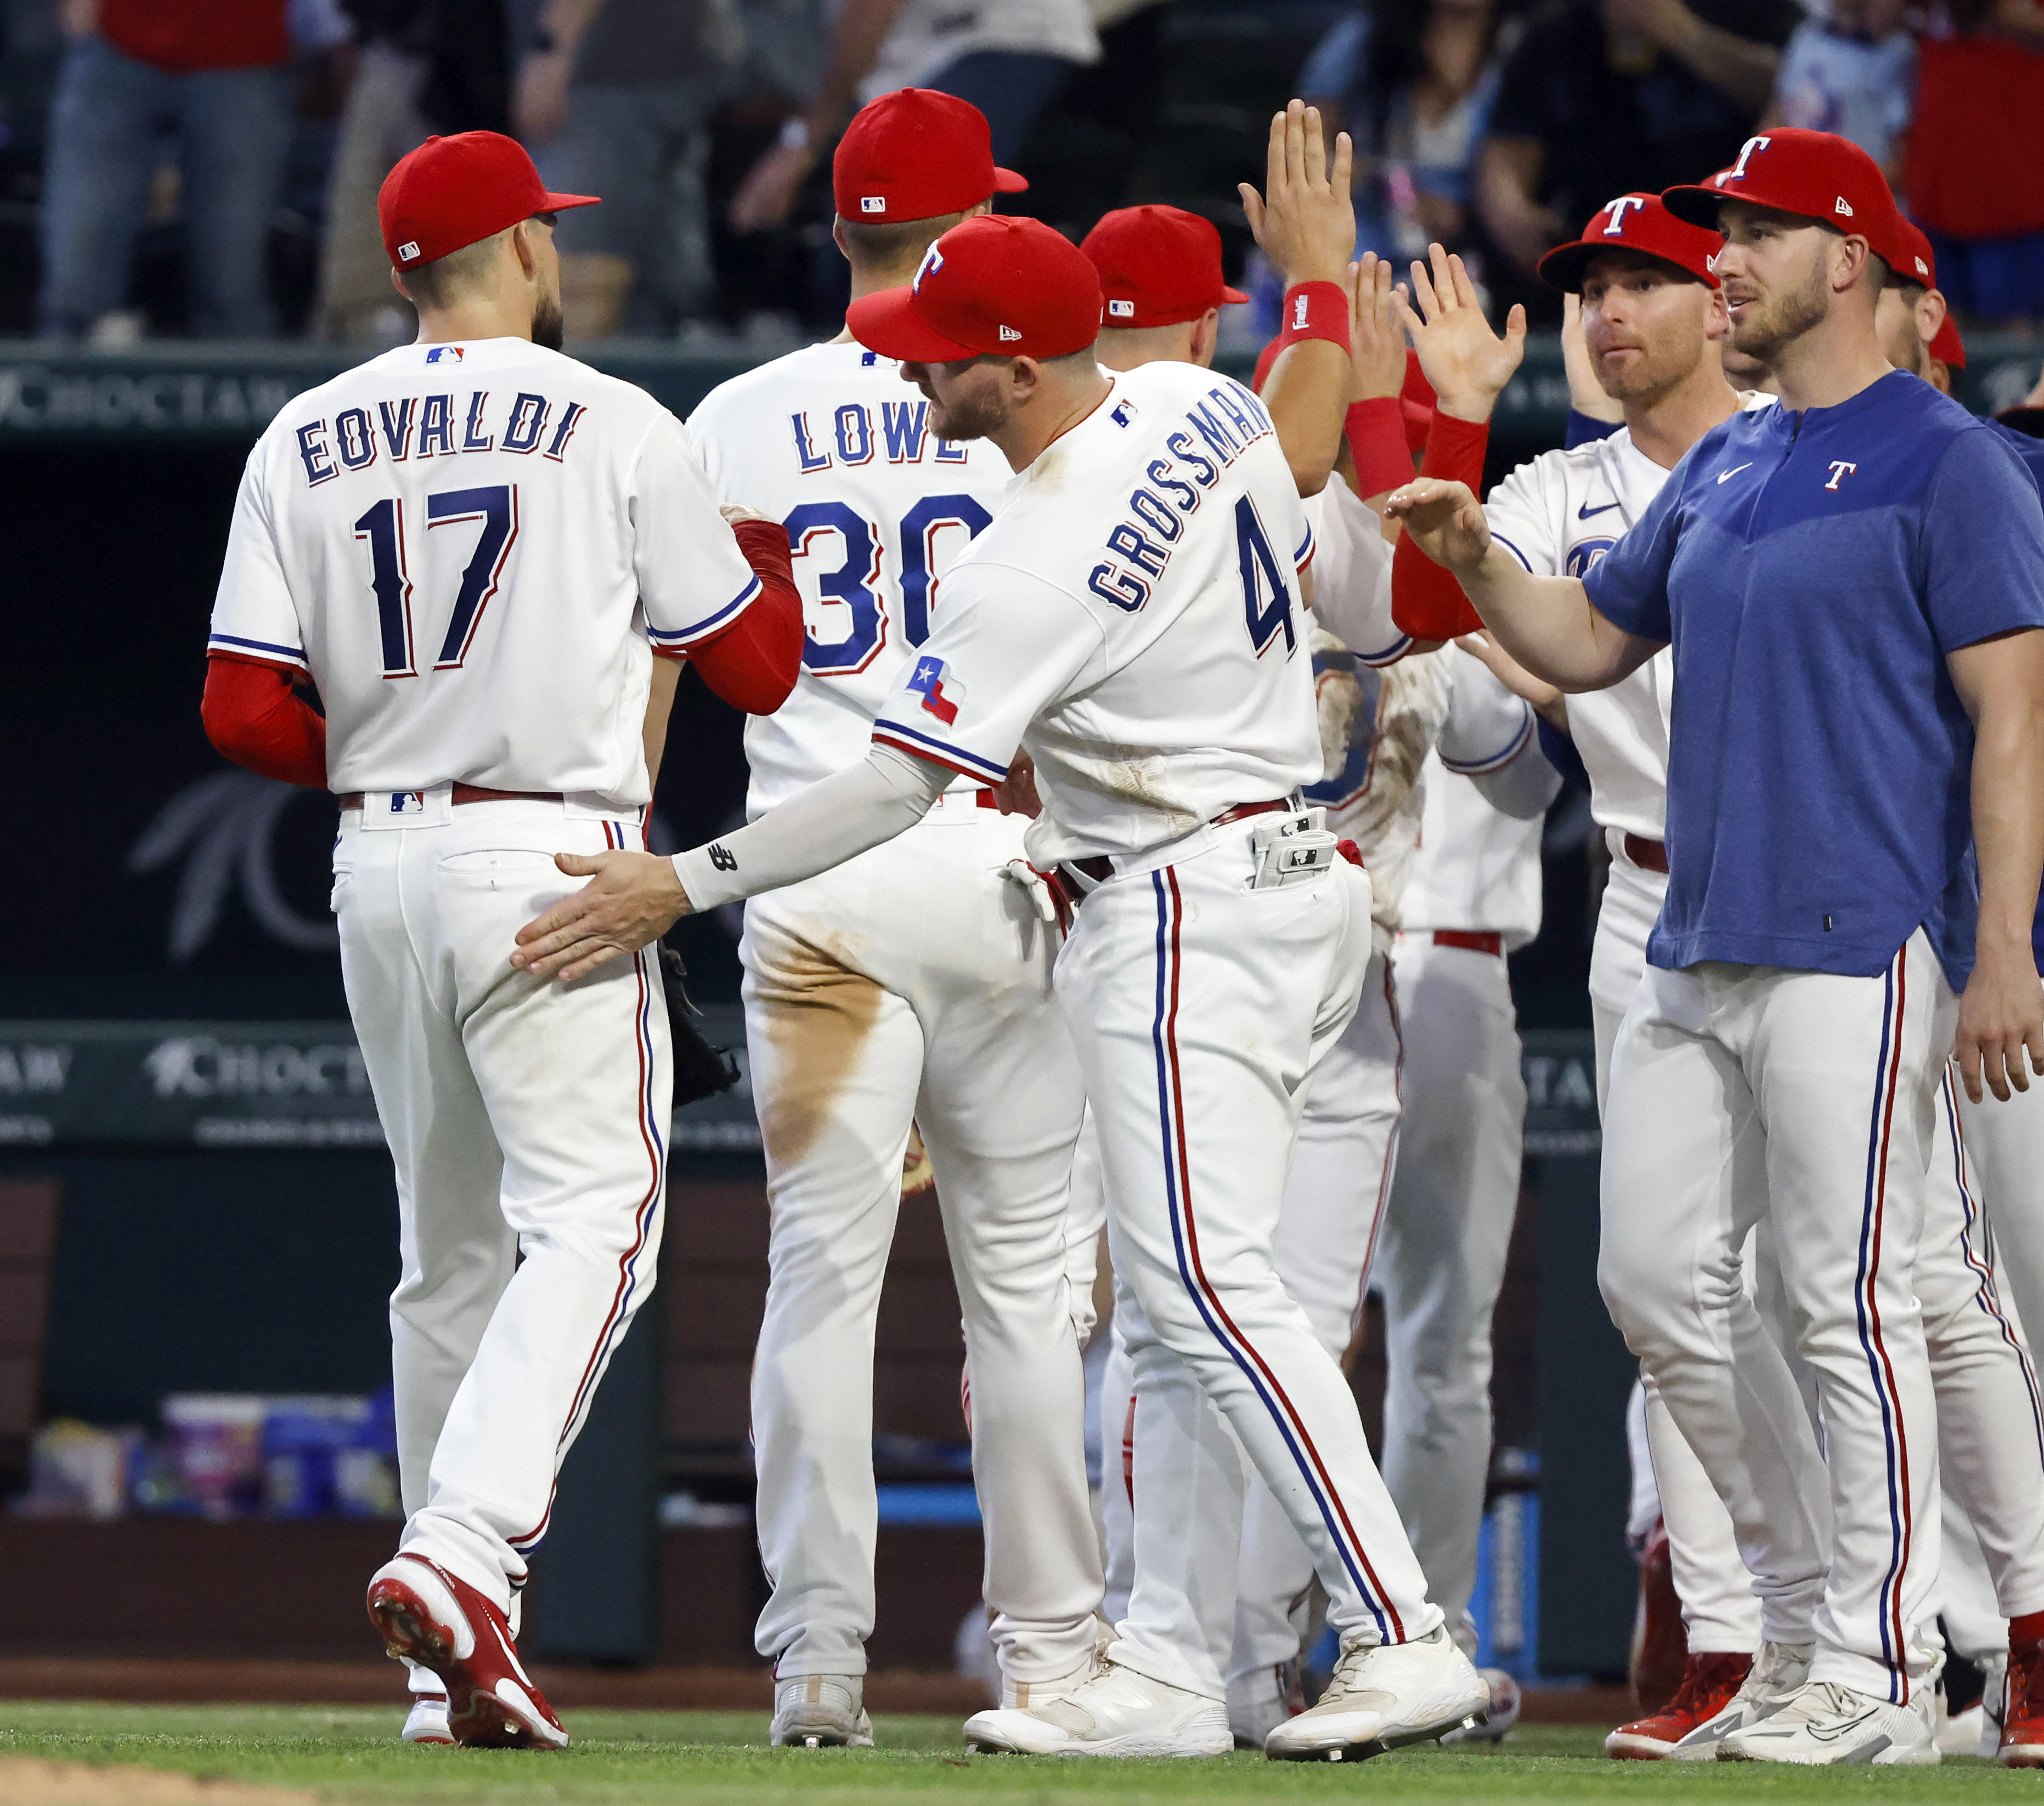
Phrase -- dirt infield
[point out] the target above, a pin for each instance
(24, 1781)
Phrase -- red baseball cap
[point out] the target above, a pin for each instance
(454, 191)
(1913, 259)
(1159, 265)
(1948, 347)
(1633, 222)
(1818, 174)
(991, 286)
(915, 154)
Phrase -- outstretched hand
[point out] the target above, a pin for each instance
(1467, 364)
(1444, 520)
(632, 898)
(1376, 341)
(1305, 218)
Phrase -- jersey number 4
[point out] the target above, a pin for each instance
(1260, 574)
(496, 508)
(850, 592)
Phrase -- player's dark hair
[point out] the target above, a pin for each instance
(895, 248)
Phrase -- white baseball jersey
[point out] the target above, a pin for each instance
(1133, 617)
(1558, 515)
(475, 549)
(830, 442)
(1476, 869)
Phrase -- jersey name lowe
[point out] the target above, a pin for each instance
(1133, 617)
(477, 576)
(832, 443)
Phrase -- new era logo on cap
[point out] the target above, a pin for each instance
(1009, 334)
(1923, 269)
(873, 203)
(1841, 206)
(408, 251)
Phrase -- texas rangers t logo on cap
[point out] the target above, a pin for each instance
(1746, 152)
(933, 260)
(930, 677)
(1617, 210)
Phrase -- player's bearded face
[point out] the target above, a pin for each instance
(1644, 325)
(1776, 278)
(968, 399)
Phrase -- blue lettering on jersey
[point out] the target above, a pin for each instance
(436, 426)
(473, 437)
(949, 451)
(397, 426)
(313, 454)
(528, 421)
(565, 430)
(1585, 553)
(356, 439)
(1180, 445)
(806, 456)
(854, 428)
(905, 426)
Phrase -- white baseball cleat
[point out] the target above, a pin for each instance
(1777, 1671)
(1962, 1734)
(1115, 1712)
(1823, 1723)
(1507, 1701)
(821, 1712)
(1382, 1696)
(427, 1721)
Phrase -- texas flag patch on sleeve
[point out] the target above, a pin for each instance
(941, 692)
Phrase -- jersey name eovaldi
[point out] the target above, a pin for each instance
(473, 550)
(832, 443)
(1133, 617)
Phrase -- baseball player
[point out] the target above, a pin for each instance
(1133, 616)
(914, 982)
(1979, 1362)
(1380, 715)
(475, 547)
(1654, 322)
(1797, 1012)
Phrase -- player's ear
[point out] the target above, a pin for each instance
(1931, 308)
(521, 248)
(398, 283)
(1717, 321)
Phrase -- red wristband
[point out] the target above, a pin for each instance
(1455, 451)
(1315, 310)
(1377, 442)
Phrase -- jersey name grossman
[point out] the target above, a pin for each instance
(437, 425)
(1228, 421)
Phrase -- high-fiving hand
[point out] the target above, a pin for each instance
(1376, 341)
(1467, 364)
(1445, 519)
(1305, 218)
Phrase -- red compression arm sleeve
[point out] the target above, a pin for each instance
(253, 717)
(1426, 601)
(753, 662)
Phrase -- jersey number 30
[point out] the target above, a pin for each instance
(850, 593)
(496, 508)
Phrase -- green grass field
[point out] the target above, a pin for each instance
(348, 1754)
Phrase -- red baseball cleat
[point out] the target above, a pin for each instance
(1660, 1639)
(427, 1615)
(1708, 1683)
(2023, 1728)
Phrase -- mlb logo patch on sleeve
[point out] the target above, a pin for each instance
(941, 692)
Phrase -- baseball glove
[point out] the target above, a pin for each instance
(701, 1071)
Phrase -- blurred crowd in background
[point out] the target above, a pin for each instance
(210, 168)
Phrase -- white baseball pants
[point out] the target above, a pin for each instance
(2005, 1147)
(1327, 1222)
(1200, 1008)
(525, 1118)
(1720, 1611)
(913, 983)
(1732, 1085)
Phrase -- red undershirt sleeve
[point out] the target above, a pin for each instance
(254, 717)
(753, 662)
(1426, 601)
